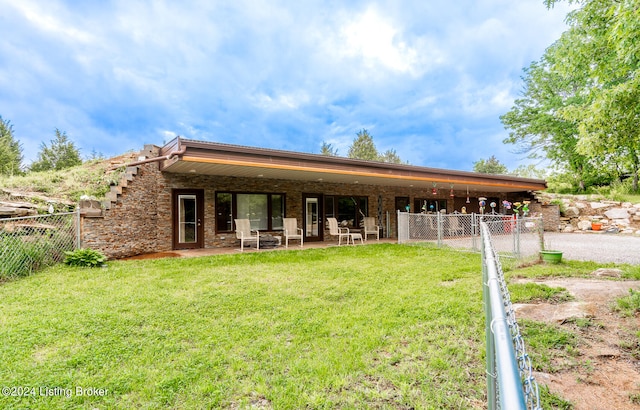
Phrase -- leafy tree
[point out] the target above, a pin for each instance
(363, 147)
(535, 124)
(60, 155)
(608, 51)
(490, 166)
(10, 150)
(581, 104)
(530, 171)
(328, 149)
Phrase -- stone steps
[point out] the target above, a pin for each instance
(116, 190)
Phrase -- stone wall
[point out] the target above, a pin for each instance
(578, 213)
(550, 215)
(139, 218)
(130, 226)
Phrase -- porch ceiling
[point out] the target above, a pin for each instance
(311, 173)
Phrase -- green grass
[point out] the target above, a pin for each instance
(537, 292)
(382, 326)
(629, 306)
(568, 269)
(93, 178)
(550, 347)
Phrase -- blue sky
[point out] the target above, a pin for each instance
(428, 78)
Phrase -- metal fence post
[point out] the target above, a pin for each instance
(474, 231)
(439, 222)
(490, 359)
(516, 251)
(78, 229)
(541, 233)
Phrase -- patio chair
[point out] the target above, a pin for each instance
(291, 231)
(370, 227)
(340, 232)
(243, 232)
(455, 228)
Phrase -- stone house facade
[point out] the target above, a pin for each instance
(187, 194)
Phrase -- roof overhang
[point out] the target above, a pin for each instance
(208, 158)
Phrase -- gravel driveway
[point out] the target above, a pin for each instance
(598, 247)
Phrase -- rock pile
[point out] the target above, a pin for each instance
(17, 209)
(578, 213)
(15, 204)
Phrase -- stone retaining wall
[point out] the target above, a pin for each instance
(578, 213)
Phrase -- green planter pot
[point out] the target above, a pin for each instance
(551, 256)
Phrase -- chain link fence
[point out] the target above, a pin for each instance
(32, 242)
(510, 381)
(519, 237)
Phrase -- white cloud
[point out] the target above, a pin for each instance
(376, 42)
(42, 18)
(485, 100)
(281, 73)
(284, 101)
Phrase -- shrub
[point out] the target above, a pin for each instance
(85, 257)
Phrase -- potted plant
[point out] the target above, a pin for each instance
(551, 256)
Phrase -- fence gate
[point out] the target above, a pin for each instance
(32, 242)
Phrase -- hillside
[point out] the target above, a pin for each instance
(36, 191)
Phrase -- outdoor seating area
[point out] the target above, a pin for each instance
(371, 227)
(254, 239)
(292, 232)
(245, 234)
(342, 232)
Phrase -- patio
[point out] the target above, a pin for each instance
(189, 253)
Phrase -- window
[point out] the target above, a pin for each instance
(423, 205)
(402, 204)
(224, 212)
(264, 211)
(347, 208)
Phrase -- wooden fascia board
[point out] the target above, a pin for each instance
(435, 177)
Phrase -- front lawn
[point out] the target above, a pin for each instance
(378, 326)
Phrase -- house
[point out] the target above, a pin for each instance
(187, 194)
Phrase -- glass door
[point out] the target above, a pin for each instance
(188, 227)
(312, 217)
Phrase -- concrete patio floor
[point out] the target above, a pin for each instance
(189, 253)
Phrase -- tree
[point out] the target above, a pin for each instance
(490, 166)
(530, 171)
(606, 48)
(536, 125)
(391, 157)
(10, 150)
(328, 149)
(581, 101)
(363, 147)
(60, 155)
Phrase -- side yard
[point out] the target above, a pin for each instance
(378, 326)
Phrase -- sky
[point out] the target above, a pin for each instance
(427, 78)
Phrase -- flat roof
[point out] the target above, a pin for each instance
(212, 158)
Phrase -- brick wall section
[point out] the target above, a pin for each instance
(550, 215)
(140, 220)
(130, 226)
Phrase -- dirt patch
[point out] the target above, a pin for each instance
(606, 374)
